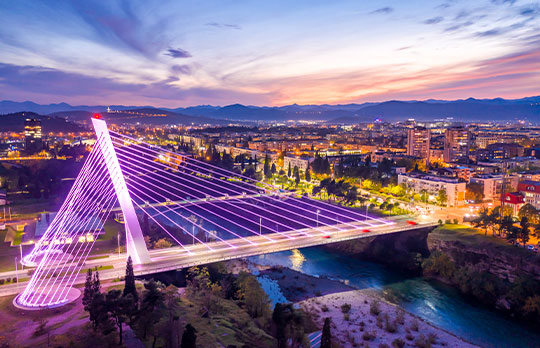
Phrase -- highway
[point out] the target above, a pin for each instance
(200, 254)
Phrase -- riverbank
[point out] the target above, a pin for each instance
(361, 316)
(323, 297)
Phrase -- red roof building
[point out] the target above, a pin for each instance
(531, 192)
(514, 200)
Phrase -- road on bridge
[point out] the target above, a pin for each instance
(199, 254)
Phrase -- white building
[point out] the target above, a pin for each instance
(300, 162)
(432, 184)
(493, 184)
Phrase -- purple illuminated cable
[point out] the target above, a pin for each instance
(87, 166)
(214, 184)
(40, 287)
(203, 208)
(191, 160)
(71, 235)
(66, 269)
(194, 213)
(250, 212)
(212, 203)
(62, 222)
(75, 272)
(50, 246)
(266, 218)
(77, 183)
(53, 246)
(176, 224)
(243, 188)
(60, 246)
(163, 228)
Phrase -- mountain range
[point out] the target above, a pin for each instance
(471, 109)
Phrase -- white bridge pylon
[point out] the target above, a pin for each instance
(61, 253)
(136, 247)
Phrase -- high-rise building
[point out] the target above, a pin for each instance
(418, 142)
(456, 144)
(32, 135)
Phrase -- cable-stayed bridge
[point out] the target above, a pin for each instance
(212, 214)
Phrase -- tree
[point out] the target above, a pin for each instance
(96, 284)
(442, 197)
(254, 297)
(289, 325)
(326, 338)
(273, 169)
(266, 169)
(296, 175)
(482, 220)
(524, 230)
(99, 315)
(129, 287)
(162, 244)
(151, 304)
(289, 173)
(88, 294)
(474, 192)
(530, 212)
(308, 174)
(119, 307)
(189, 337)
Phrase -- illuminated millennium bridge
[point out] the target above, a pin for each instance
(212, 214)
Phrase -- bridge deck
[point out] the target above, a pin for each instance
(176, 258)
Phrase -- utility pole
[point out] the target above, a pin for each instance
(318, 211)
(20, 249)
(193, 233)
(260, 225)
(118, 241)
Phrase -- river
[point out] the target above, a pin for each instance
(436, 303)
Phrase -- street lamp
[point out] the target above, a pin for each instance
(17, 273)
(318, 211)
(260, 225)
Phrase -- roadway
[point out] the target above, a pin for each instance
(198, 254)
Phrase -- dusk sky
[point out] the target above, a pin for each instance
(180, 53)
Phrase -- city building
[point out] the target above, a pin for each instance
(456, 144)
(493, 184)
(531, 192)
(432, 184)
(300, 162)
(32, 135)
(514, 200)
(418, 142)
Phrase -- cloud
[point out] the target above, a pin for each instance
(434, 20)
(224, 25)
(181, 69)
(384, 10)
(503, 2)
(177, 53)
(530, 11)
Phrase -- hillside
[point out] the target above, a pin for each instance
(15, 123)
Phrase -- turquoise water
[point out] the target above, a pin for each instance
(438, 304)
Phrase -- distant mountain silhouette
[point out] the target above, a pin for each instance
(462, 110)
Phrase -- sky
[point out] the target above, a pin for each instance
(183, 53)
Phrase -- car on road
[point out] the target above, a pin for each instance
(326, 237)
(366, 230)
(530, 247)
(410, 222)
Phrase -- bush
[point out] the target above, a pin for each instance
(346, 316)
(414, 326)
(400, 317)
(324, 308)
(345, 308)
(374, 308)
(440, 222)
(409, 337)
(368, 336)
(398, 343)
(456, 221)
(447, 221)
(389, 326)
(379, 321)
(384, 345)
(2, 281)
(422, 342)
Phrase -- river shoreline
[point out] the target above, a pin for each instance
(323, 297)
